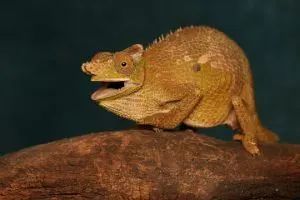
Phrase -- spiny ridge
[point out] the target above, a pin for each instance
(166, 37)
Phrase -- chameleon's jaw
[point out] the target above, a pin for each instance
(112, 89)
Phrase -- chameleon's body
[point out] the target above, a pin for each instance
(197, 76)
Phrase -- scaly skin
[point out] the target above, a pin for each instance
(197, 76)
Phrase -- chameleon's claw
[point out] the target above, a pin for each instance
(157, 130)
(251, 147)
(238, 137)
(249, 143)
(189, 130)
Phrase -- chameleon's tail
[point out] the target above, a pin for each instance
(266, 135)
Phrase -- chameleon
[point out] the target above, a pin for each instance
(196, 76)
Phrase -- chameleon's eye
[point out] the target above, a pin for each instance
(124, 63)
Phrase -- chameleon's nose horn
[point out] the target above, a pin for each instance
(83, 68)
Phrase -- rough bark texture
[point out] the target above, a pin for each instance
(142, 164)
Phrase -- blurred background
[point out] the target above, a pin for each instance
(44, 95)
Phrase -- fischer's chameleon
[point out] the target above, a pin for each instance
(197, 76)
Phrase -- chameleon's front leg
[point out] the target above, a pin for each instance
(179, 111)
(248, 126)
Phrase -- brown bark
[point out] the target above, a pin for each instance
(142, 164)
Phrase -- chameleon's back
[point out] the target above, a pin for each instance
(207, 58)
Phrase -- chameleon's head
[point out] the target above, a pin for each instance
(120, 73)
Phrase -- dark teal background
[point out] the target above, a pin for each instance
(44, 96)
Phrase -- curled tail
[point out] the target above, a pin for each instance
(266, 135)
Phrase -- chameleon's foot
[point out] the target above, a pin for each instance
(190, 130)
(249, 142)
(157, 130)
(238, 137)
(184, 127)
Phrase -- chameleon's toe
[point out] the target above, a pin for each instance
(249, 143)
(184, 127)
(251, 148)
(238, 137)
(157, 130)
(189, 130)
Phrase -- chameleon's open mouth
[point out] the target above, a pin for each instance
(110, 89)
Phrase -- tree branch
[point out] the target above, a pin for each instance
(142, 164)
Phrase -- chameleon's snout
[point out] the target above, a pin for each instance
(85, 70)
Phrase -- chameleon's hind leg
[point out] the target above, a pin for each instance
(247, 125)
